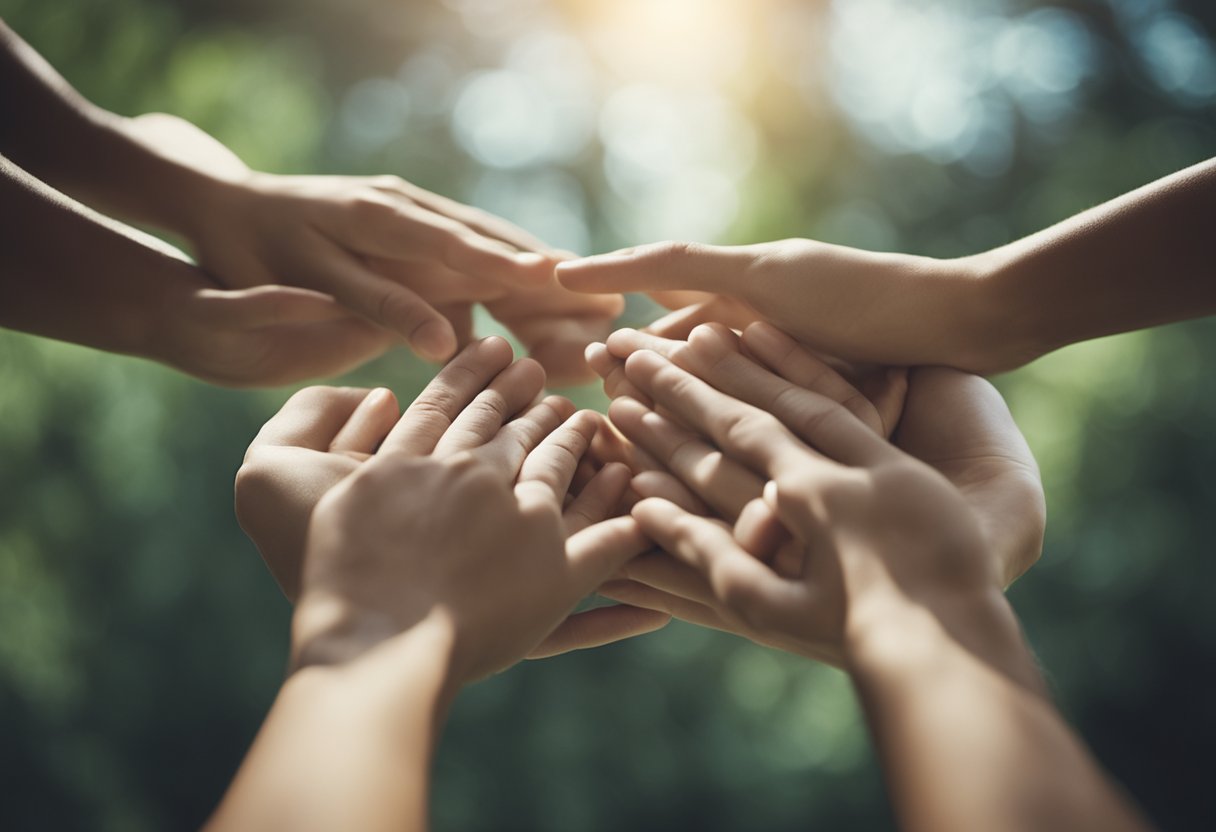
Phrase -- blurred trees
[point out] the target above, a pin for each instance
(141, 640)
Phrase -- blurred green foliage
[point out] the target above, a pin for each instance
(141, 640)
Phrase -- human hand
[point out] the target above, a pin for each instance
(860, 306)
(401, 257)
(974, 442)
(392, 547)
(322, 435)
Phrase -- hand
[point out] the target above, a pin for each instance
(890, 309)
(264, 336)
(403, 258)
(392, 547)
(973, 441)
(323, 434)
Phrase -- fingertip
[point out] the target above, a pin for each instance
(434, 340)
(495, 346)
(621, 342)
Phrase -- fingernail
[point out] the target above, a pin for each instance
(433, 341)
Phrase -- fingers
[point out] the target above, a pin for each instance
(510, 392)
(724, 484)
(556, 458)
(741, 431)
(600, 550)
(741, 583)
(369, 424)
(661, 266)
(595, 628)
(507, 451)
(311, 418)
(263, 306)
(391, 225)
(431, 414)
(335, 270)
(482, 222)
(599, 499)
(612, 370)
(729, 311)
(794, 363)
(664, 485)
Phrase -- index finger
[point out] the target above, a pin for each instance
(660, 266)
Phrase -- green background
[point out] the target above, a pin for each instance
(141, 640)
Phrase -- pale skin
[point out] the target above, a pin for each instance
(897, 579)
(480, 403)
(356, 264)
(955, 422)
(1139, 260)
(894, 577)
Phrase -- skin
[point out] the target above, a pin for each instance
(1097, 273)
(480, 403)
(955, 422)
(899, 583)
(381, 257)
(403, 603)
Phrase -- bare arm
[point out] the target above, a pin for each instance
(963, 745)
(1143, 259)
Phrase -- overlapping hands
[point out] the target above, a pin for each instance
(741, 481)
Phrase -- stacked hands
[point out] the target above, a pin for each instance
(739, 482)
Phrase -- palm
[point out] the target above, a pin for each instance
(959, 424)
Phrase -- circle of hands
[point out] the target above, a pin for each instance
(740, 481)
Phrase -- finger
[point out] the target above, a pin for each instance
(600, 550)
(610, 446)
(402, 228)
(369, 424)
(661, 266)
(794, 363)
(612, 370)
(663, 485)
(262, 306)
(599, 499)
(660, 570)
(595, 628)
(745, 433)
(760, 532)
(556, 458)
(510, 392)
(637, 594)
(741, 583)
(311, 418)
(731, 312)
(382, 301)
(480, 221)
(507, 451)
(724, 484)
(678, 299)
(625, 342)
(431, 414)
(460, 316)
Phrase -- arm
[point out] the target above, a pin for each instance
(900, 586)
(403, 258)
(963, 746)
(1143, 259)
(69, 273)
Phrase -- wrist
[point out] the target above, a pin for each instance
(328, 635)
(897, 636)
(1004, 316)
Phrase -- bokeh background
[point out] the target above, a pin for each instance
(141, 640)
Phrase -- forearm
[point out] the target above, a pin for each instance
(965, 743)
(112, 163)
(70, 274)
(1143, 259)
(347, 747)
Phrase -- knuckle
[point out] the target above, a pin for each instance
(368, 206)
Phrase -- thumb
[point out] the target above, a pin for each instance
(660, 266)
